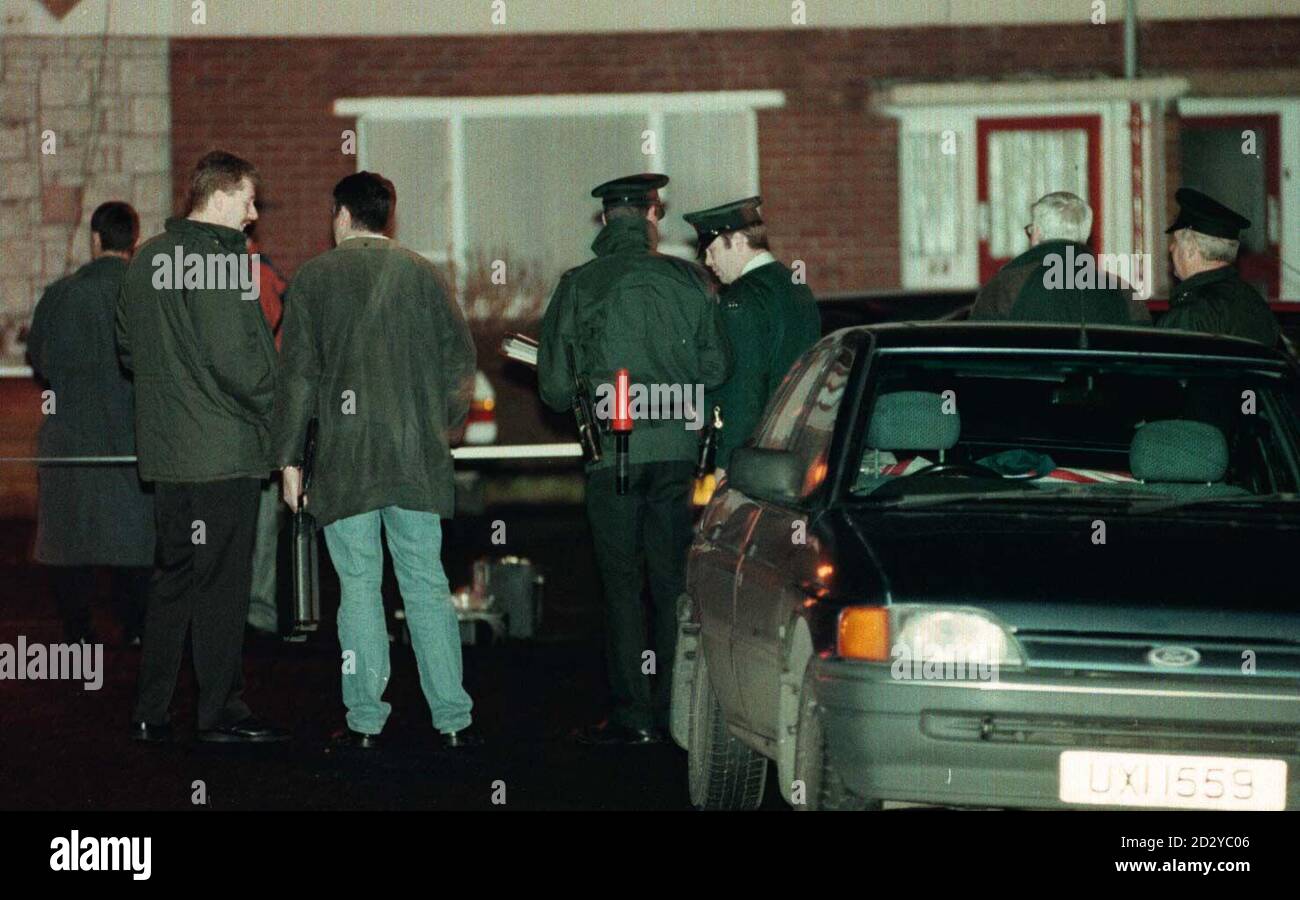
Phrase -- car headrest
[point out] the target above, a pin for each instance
(912, 420)
(1178, 450)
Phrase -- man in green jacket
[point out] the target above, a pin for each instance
(190, 328)
(1211, 295)
(770, 315)
(91, 515)
(376, 350)
(632, 307)
(1059, 279)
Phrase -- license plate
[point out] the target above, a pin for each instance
(1156, 780)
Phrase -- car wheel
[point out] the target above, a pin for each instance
(724, 772)
(823, 789)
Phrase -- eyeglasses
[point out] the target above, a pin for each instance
(1029, 232)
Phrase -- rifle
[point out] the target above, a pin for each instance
(306, 563)
(584, 414)
(522, 348)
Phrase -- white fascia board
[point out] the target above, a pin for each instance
(556, 104)
(974, 93)
(1231, 106)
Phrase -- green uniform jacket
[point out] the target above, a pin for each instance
(1219, 302)
(203, 358)
(649, 313)
(378, 351)
(88, 514)
(1025, 290)
(771, 321)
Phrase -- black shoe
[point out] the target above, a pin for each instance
(347, 739)
(459, 740)
(151, 734)
(247, 731)
(611, 734)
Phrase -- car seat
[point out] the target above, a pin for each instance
(910, 421)
(1183, 458)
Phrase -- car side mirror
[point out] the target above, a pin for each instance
(773, 475)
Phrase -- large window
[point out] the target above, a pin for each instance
(509, 178)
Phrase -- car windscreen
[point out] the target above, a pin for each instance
(958, 422)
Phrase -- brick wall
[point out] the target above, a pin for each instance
(828, 162)
(107, 106)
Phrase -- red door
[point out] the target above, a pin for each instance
(1237, 160)
(1019, 161)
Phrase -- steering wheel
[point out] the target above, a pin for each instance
(947, 470)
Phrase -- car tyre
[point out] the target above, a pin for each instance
(823, 787)
(724, 772)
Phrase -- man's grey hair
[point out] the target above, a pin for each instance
(1214, 249)
(1062, 216)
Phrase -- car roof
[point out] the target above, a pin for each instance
(1039, 336)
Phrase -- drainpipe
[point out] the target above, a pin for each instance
(1130, 39)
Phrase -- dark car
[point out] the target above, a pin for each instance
(1004, 565)
(879, 307)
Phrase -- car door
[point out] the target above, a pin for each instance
(777, 548)
(715, 558)
(720, 539)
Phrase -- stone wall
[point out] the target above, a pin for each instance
(107, 106)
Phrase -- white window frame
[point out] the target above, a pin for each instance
(455, 110)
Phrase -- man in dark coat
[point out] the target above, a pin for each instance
(770, 316)
(376, 350)
(1211, 295)
(189, 326)
(91, 515)
(654, 315)
(1058, 279)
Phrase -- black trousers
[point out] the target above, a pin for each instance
(75, 586)
(647, 531)
(201, 585)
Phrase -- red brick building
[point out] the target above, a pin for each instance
(828, 157)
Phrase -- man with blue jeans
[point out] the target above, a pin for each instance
(414, 540)
(376, 351)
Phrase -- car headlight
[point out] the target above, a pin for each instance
(925, 633)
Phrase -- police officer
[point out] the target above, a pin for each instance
(769, 315)
(632, 307)
(1211, 295)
